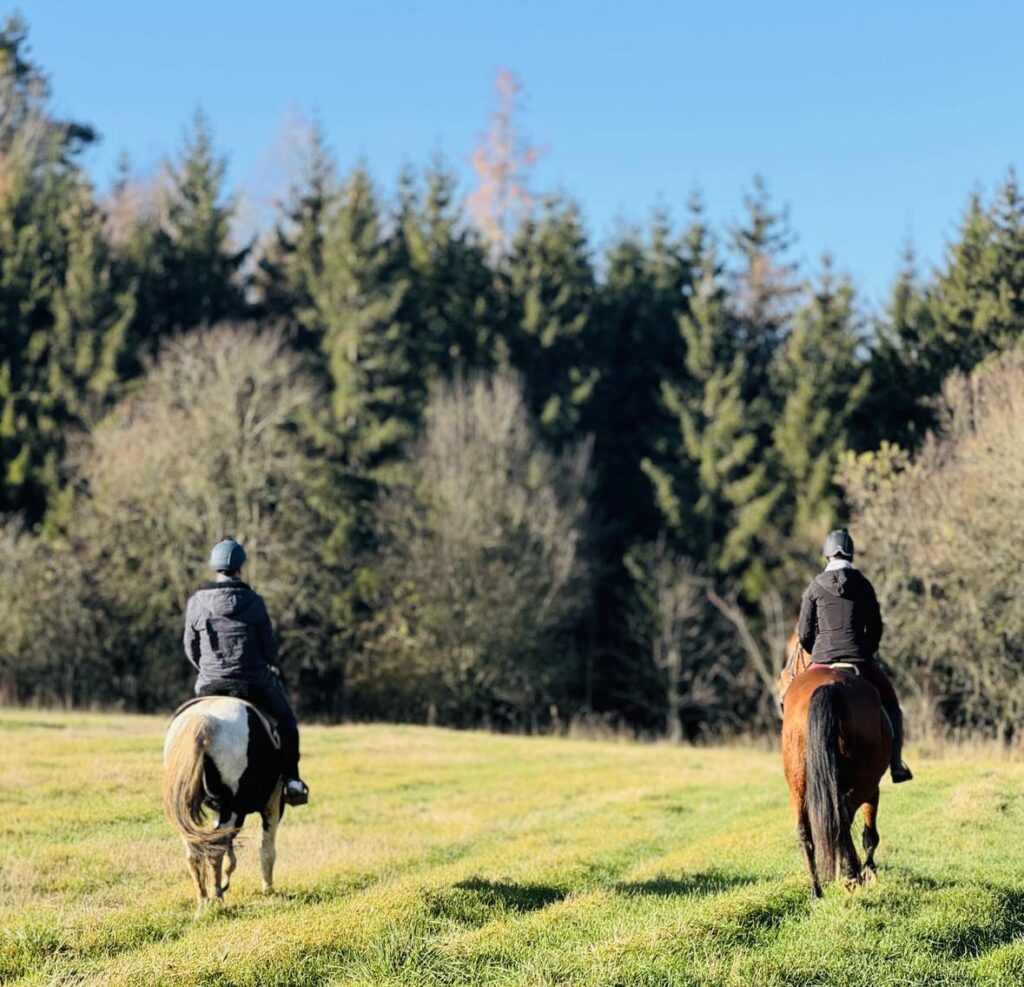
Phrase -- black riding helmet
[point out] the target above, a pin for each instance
(838, 543)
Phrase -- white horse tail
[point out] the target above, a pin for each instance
(183, 785)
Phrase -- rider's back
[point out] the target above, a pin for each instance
(230, 627)
(845, 610)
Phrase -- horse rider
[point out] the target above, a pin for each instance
(230, 642)
(840, 621)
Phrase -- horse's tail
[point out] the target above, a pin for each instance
(183, 785)
(826, 811)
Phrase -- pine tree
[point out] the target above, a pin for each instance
(188, 272)
(552, 289)
(451, 301)
(968, 308)
(292, 264)
(712, 486)
(896, 407)
(763, 291)
(822, 377)
(377, 391)
(61, 317)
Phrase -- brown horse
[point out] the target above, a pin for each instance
(836, 745)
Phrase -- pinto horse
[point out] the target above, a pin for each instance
(222, 753)
(836, 745)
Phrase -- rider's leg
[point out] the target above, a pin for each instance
(874, 673)
(274, 700)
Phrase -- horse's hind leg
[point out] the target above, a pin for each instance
(870, 838)
(849, 861)
(220, 884)
(232, 864)
(271, 817)
(197, 865)
(803, 835)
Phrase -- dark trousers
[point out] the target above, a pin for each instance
(268, 694)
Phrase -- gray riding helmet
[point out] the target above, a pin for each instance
(838, 543)
(227, 556)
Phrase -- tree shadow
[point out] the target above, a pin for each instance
(689, 885)
(512, 896)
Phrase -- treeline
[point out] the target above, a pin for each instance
(486, 471)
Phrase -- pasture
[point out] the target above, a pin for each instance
(429, 857)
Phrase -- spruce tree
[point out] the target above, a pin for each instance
(552, 289)
(377, 391)
(822, 378)
(292, 263)
(451, 304)
(897, 406)
(763, 290)
(62, 318)
(187, 270)
(712, 483)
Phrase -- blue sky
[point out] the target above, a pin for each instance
(873, 121)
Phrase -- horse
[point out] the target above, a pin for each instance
(836, 745)
(222, 753)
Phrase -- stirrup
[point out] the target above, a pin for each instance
(296, 792)
(900, 773)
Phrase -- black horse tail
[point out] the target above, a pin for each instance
(825, 806)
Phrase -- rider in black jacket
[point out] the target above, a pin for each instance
(230, 641)
(840, 620)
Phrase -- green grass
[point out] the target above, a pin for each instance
(434, 857)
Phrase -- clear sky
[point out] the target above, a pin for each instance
(872, 120)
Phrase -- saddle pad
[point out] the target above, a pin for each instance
(269, 723)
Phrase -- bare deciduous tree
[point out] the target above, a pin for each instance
(482, 567)
(502, 162)
(210, 445)
(944, 540)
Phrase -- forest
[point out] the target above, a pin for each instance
(489, 472)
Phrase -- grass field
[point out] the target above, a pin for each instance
(434, 857)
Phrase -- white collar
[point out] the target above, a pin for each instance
(839, 564)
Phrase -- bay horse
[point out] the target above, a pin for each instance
(221, 753)
(836, 744)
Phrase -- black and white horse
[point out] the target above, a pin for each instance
(221, 753)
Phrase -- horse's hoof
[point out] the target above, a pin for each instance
(268, 889)
(851, 884)
(868, 876)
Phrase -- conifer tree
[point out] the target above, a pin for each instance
(451, 302)
(552, 287)
(61, 317)
(822, 379)
(763, 289)
(292, 264)
(377, 392)
(712, 485)
(188, 271)
(896, 406)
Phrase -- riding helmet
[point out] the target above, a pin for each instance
(227, 556)
(839, 543)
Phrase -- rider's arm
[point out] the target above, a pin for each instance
(807, 626)
(873, 622)
(267, 641)
(191, 640)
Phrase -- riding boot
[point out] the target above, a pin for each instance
(900, 772)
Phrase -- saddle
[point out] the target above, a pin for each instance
(269, 723)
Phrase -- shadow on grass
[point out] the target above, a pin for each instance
(704, 883)
(477, 901)
(512, 896)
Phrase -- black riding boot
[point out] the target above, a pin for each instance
(900, 772)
